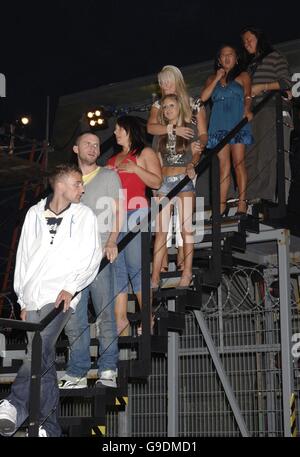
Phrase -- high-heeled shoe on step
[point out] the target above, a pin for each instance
(188, 279)
(224, 213)
(242, 213)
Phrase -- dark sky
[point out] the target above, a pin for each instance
(57, 48)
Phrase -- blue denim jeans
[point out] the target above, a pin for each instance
(19, 396)
(78, 329)
(128, 264)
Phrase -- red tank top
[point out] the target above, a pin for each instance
(132, 183)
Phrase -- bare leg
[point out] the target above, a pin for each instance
(238, 157)
(186, 206)
(161, 231)
(180, 258)
(165, 263)
(224, 160)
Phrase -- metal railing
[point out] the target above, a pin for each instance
(209, 157)
(36, 363)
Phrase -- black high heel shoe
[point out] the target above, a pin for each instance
(242, 213)
(225, 212)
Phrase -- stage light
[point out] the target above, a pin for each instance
(96, 118)
(25, 120)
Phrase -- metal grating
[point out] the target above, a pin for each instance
(245, 328)
(148, 402)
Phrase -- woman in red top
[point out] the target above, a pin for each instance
(138, 167)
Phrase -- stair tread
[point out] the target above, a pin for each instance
(88, 392)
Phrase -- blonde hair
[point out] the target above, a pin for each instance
(170, 72)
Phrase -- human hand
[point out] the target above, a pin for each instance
(111, 250)
(190, 170)
(197, 147)
(185, 132)
(248, 114)
(220, 74)
(257, 89)
(23, 314)
(66, 297)
(129, 166)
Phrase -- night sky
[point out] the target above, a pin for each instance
(57, 48)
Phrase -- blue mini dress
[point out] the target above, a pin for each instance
(227, 112)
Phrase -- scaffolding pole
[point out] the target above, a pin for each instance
(173, 378)
(283, 244)
(221, 373)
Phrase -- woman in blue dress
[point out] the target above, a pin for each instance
(229, 89)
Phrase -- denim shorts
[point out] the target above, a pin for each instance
(169, 182)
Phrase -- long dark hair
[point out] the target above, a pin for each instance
(263, 48)
(235, 71)
(135, 130)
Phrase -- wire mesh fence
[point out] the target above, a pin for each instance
(245, 327)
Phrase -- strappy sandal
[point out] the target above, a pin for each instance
(188, 282)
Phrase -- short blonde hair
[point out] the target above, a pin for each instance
(170, 72)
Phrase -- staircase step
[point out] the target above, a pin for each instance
(193, 300)
(135, 370)
(130, 342)
(89, 392)
(235, 240)
(170, 321)
(85, 427)
(169, 292)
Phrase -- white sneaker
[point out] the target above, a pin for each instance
(8, 418)
(72, 382)
(108, 378)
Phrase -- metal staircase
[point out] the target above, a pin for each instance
(83, 411)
